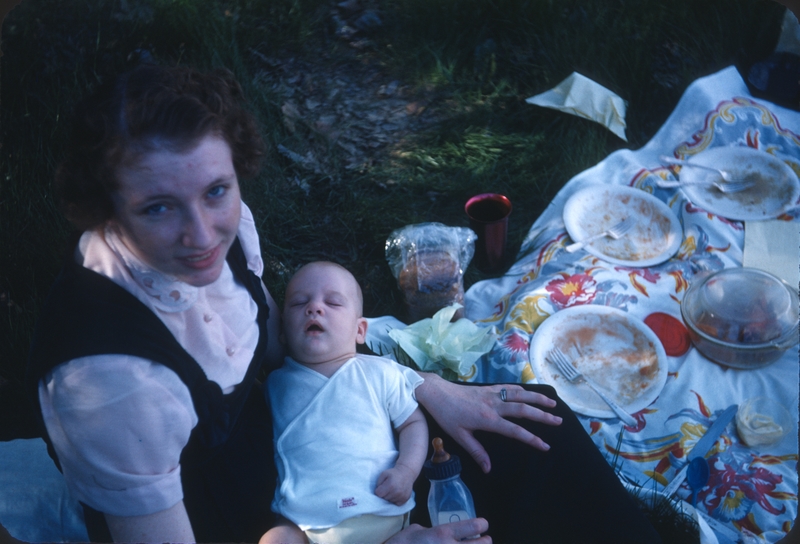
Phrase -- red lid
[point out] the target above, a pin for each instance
(671, 331)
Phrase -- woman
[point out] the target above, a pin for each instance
(145, 359)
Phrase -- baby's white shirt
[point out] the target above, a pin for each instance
(334, 437)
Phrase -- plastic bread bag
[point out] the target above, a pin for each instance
(428, 260)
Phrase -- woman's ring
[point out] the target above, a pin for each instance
(503, 394)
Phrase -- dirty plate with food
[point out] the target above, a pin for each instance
(615, 350)
(655, 237)
(774, 190)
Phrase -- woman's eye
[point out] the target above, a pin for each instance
(217, 191)
(155, 209)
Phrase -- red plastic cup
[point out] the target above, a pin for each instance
(488, 217)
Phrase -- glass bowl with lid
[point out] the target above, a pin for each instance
(741, 317)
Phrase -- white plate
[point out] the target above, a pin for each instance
(656, 236)
(621, 354)
(776, 186)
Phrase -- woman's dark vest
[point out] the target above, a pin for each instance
(227, 468)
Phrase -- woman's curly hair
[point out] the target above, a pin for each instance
(147, 109)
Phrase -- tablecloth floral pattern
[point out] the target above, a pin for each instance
(751, 490)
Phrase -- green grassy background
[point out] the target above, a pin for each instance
(472, 61)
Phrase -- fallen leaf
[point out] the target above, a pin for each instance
(302, 184)
(388, 90)
(414, 108)
(290, 115)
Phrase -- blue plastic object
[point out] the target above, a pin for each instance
(697, 476)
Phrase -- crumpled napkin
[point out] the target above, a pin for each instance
(581, 96)
(437, 345)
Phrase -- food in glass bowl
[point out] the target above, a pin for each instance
(741, 317)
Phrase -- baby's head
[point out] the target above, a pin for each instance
(322, 319)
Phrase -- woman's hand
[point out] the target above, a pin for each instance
(447, 533)
(461, 411)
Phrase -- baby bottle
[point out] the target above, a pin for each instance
(449, 499)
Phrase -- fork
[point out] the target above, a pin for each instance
(571, 373)
(616, 231)
(730, 185)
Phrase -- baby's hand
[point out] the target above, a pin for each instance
(395, 484)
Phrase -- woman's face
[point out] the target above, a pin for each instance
(179, 212)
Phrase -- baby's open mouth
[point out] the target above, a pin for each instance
(314, 328)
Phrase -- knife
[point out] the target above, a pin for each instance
(703, 445)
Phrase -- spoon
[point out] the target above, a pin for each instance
(697, 476)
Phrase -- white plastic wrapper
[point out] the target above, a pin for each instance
(428, 260)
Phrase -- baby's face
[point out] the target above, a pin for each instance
(322, 315)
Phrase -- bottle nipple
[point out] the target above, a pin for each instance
(439, 455)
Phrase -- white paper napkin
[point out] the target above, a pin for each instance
(773, 246)
(585, 98)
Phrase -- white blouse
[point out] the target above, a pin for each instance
(119, 423)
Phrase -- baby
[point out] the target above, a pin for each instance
(341, 476)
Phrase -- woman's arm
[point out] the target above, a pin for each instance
(118, 424)
(462, 410)
(170, 525)
(444, 534)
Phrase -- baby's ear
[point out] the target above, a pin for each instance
(361, 331)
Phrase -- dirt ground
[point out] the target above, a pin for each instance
(345, 97)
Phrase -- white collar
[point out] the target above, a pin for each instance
(167, 293)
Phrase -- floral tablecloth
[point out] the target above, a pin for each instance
(751, 491)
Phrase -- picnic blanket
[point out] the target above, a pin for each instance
(752, 492)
